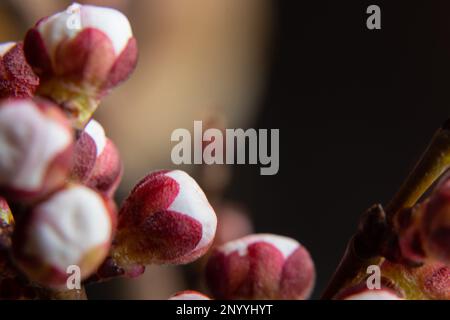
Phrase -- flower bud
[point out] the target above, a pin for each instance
(6, 222)
(435, 224)
(431, 281)
(261, 266)
(97, 161)
(6, 227)
(80, 54)
(107, 172)
(189, 295)
(166, 219)
(84, 157)
(35, 148)
(361, 292)
(73, 226)
(409, 247)
(6, 230)
(17, 79)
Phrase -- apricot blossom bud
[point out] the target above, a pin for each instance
(35, 148)
(361, 292)
(73, 227)
(17, 79)
(435, 224)
(97, 161)
(261, 266)
(189, 295)
(166, 219)
(6, 230)
(430, 281)
(6, 221)
(84, 157)
(107, 172)
(80, 54)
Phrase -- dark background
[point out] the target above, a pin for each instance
(355, 109)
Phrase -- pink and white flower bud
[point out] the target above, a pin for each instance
(74, 226)
(108, 170)
(261, 266)
(361, 292)
(189, 295)
(84, 157)
(80, 54)
(35, 148)
(6, 225)
(6, 217)
(97, 161)
(6, 231)
(435, 224)
(17, 79)
(166, 219)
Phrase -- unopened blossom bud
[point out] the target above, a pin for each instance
(410, 245)
(431, 281)
(35, 148)
(189, 295)
(17, 79)
(261, 266)
(361, 292)
(435, 224)
(6, 222)
(73, 227)
(84, 157)
(80, 54)
(107, 172)
(6, 230)
(97, 161)
(166, 219)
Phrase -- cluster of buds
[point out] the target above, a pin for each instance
(59, 171)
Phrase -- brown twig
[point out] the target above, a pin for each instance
(366, 246)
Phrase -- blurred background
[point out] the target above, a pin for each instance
(355, 109)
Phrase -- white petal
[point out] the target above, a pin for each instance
(373, 295)
(5, 47)
(97, 133)
(68, 225)
(29, 142)
(67, 24)
(189, 296)
(284, 244)
(192, 201)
